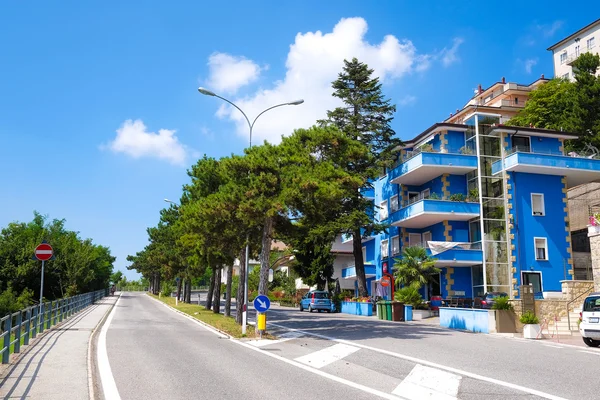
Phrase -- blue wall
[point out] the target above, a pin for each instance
(551, 226)
(545, 145)
(456, 140)
(470, 320)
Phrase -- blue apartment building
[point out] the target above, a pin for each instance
(487, 201)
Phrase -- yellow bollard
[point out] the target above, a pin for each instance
(262, 322)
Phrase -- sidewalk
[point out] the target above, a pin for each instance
(56, 365)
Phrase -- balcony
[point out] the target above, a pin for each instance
(450, 254)
(423, 212)
(350, 272)
(425, 166)
(577, 168)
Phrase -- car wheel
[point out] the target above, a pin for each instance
(301, 308)
(328, 311)
(310, 309)
(591, 342)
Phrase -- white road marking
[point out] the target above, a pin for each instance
(432, 364)
(596, 353)
(266, 342)
(326, 356)
(554, 346)
(109, 387)
(428, 383)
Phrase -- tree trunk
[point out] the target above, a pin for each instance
(239, 304)
(359, 264)
(211, 288)
(228, 291)
(217, 293)
(265, 256)
(179, 281)
(188, 293)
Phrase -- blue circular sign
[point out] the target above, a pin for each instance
(262, 303)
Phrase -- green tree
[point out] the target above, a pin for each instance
(364, 117)
(567, 106)
(415, 268)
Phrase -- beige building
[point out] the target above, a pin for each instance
(585, 40)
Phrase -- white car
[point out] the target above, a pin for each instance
(589, 327)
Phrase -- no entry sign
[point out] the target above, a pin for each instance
(44, 252)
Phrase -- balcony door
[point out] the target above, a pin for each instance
(414, 239)
(521, 143)
(534, 279)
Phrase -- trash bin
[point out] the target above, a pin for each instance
(408, 312)
(379, 312)
(383, 310)
(388, 311)
(397, 311)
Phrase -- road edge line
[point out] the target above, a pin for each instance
(208, 327)
(90, 356)
(107, 380)
(432, 364)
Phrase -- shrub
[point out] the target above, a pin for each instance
(167, 289)
(409, 295)
(529, 318)
(457, 197)
(502, 303)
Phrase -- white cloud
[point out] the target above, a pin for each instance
(551, 29)
(228, 73)
(313, 62)
(134, 140)
(407, 100)
(449, 55)
(529, 64)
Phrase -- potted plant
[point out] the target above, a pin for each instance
(505, 315)
(531, 325)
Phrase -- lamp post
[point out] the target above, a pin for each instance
(207, 92)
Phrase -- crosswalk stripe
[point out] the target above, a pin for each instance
(428, 383)
(321, 358)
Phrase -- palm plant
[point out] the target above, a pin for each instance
(415, 268)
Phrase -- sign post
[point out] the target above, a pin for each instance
(43, 252)
(261, 304)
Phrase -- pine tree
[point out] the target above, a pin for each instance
(365, 117)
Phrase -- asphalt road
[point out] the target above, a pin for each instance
(546, 366)
(155, 353)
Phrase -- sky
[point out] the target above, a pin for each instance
(100, 116)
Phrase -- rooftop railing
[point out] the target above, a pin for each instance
(590, 153)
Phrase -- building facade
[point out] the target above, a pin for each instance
(585, 40)
(487, 201)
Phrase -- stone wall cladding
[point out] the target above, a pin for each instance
(595, 252)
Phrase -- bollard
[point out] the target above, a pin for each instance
(261, 323)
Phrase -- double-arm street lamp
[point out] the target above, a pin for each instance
(207, 92)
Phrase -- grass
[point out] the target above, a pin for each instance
(219, 321)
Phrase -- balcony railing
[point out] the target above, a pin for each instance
(434, 196)
(589, 153)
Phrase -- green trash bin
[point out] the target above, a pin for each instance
(379, 310)
(388, 310)
(383, 311)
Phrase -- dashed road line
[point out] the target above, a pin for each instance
(328, 355)
(429, 383)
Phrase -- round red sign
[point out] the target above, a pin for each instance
(44, 252)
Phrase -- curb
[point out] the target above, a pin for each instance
(91, 365)
(196, 320)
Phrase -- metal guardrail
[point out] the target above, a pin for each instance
(19, 327)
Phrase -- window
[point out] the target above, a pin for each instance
(563, 57)
(591, 42)
(516, 100)
(395, 245)
(364, 251)
(413, 197)
(414, 239)
(394, 203)
(541, 248)
(577, 51)
(384, 248)
(537, 204)
(426, 238)
(521, 143)
(425, 193)
(383, 210)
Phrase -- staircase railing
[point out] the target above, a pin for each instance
(590, 290)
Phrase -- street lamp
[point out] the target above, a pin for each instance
(172, 202)
(207, 92)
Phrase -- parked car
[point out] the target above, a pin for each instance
(316, 300)
(490, 298)
(589, 325)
